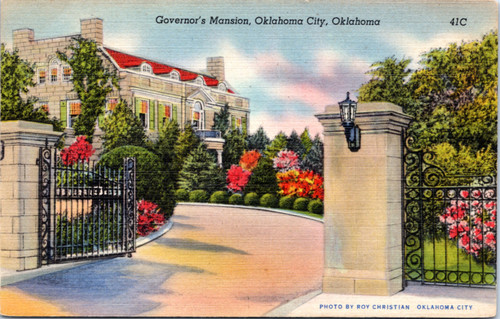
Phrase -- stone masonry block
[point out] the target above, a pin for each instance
(11, 207)
(338, 285)
(26, 190)
(7, 190)
(26, 224)
(12, 263)
(12, 173)
(12, 242)
(30, 241)
(30, 263)
(6, 224)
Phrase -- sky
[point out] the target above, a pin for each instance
(289, 72)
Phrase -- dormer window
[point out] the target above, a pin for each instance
(222, 87)
(174, 75)
(199, 81)
(146, 68)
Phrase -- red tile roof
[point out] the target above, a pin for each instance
(125, 61)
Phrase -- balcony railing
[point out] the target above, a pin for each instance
(204, 134)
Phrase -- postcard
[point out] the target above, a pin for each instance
(292, 158)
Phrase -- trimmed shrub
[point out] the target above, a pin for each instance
(301, 204)
(198, 196)
(287, 202)
(269, 200)
(236, 199)
(252, 199)
(181, 195)
(219, 197)
(315, 207)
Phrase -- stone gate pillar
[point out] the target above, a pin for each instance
(19, 192)
(363, 244)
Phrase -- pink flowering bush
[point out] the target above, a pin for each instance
(471, 221)
(79, 151)
(149, 218)
(237, 178)
(286, 161)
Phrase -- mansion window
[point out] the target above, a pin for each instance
(42, 76)
(146, 68)
(168, 113)
(111, 104)
(198, 118)
(66, 73)
(143, 113)
(75, 109)
(53, 75)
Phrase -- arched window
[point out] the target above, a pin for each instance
(222, 87)
(198, 117)
(199, 80)
(175, 75)
(146, 68)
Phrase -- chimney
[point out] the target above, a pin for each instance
(92, 29)
(22, 37)
(215, 66)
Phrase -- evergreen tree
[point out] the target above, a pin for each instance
(234, 147)
(258, 141)
(201, 172)
(17, 77)
(122, 128)
(314, 159)
(263, 179)
(306, 141)
(221, 120)
(187, 142)
(279, 143)
(294, 143)
(165, 149)
(92, 82)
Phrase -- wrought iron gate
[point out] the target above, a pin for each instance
(84, 211)
(449, 231)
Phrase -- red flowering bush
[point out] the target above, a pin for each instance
(80, 150)
(237, 178)
(301, 184)
(286, 161)
(471, 221)
(148, 218)
(249, 160)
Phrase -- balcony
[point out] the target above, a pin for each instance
(208, 134)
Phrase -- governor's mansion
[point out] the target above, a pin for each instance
(156, 91)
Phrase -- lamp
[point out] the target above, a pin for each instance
(348, 110)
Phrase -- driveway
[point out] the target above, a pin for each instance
(216, 261)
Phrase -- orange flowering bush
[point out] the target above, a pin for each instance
(301, 184)
(249, 160)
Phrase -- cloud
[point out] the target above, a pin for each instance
(303, 92)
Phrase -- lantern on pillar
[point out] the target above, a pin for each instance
(348, 110)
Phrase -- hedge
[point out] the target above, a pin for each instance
(198, 196)
(301, 204)
(269, 200)
(219, 197)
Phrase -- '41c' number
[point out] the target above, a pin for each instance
(459, 21)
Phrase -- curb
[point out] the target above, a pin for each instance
(285, 309)
(272, 210)
(7, 279)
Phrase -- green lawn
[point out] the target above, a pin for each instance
(453, 266)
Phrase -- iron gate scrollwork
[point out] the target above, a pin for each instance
(85, 210)
(449, 223)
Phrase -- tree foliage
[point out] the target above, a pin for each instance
(186, 143)
(91, 82)
(278, 143)
(258, 141)
(200, 172)
(453, 98)
(234, 147)
(294, 143)
(307, 142)
(314, 159)
(263, 179)
(221, 120)
(122, 128)
(17, 78)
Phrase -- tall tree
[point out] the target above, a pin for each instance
(165, 149)
(306, 141)
(234, 147)
(17, 78)
(122, 128)
(92, 81)
(258, 141)
(314, 159)
(294, 143)
(221, 120)
(278, 143)
(263, 179)
(200, 172)
(187, 142)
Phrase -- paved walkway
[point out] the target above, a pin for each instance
(214, 262)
